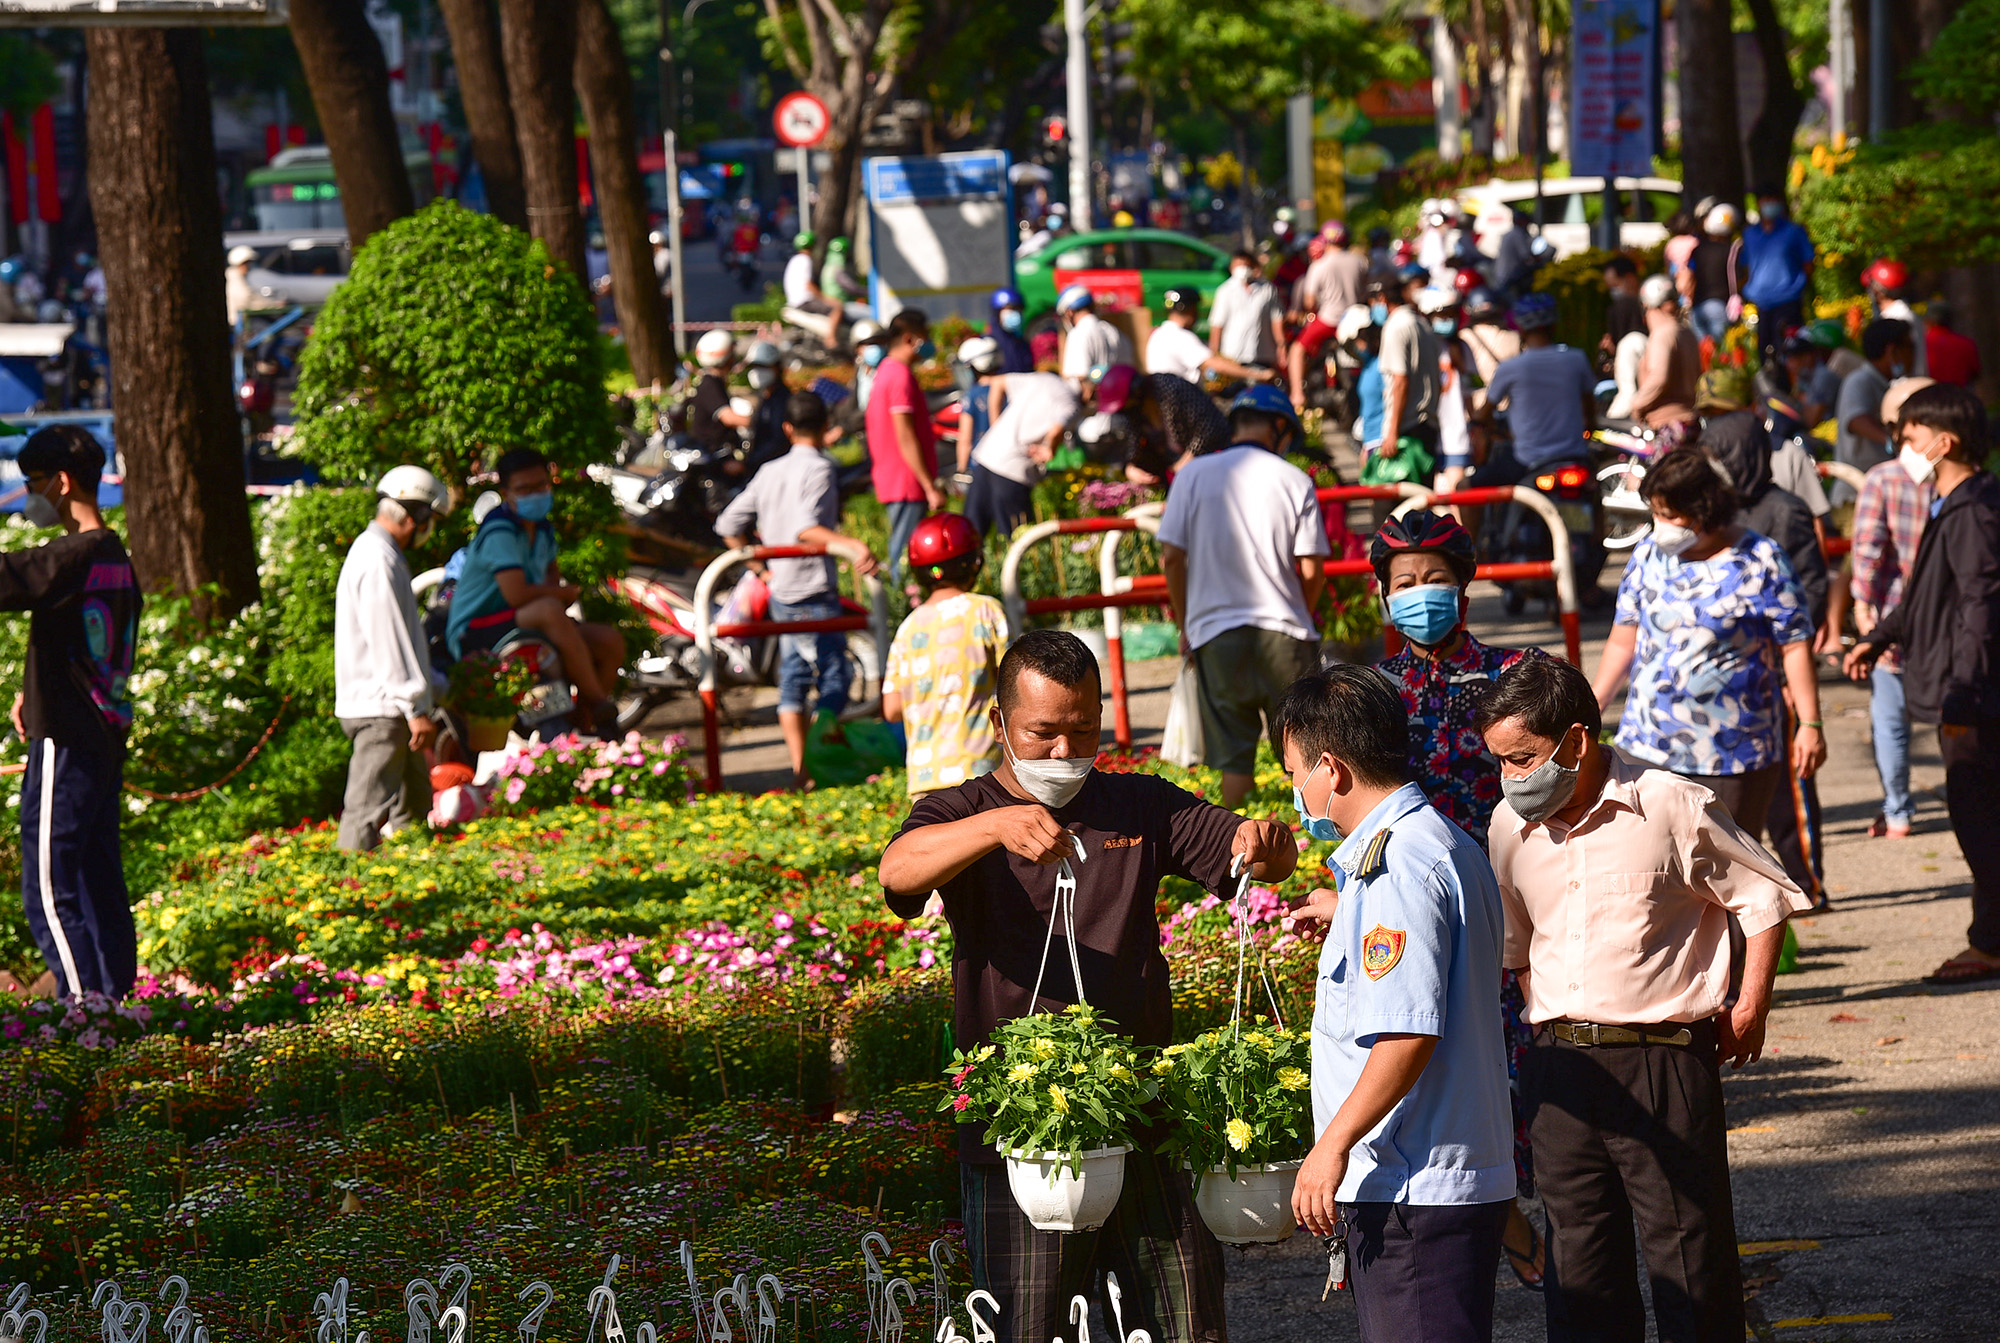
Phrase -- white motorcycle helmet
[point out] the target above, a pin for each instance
(762, 366)
(241, 255)
(981, 354)
(418, 493)
(715, 349)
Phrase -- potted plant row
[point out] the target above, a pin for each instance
(1062, 1098)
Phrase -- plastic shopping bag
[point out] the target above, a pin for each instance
(850, 753)
(1180, 743)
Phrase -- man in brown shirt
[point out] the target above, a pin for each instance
(1670, 367)
(989, 847)
(1645, 928)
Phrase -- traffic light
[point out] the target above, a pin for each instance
(1055, 130)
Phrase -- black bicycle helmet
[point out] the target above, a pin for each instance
(1422, 530)
(1181, 299)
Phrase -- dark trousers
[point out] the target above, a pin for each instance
(388, 784)
(1627, 1131)
(72, 877)
(1747, 797)
(1773, 323)
(1424, 1272)
(1169, 1267)
(1972, 795)
(994, 501)
(1792, 827)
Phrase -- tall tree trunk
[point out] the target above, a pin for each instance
(1479, 63)
(1770, 140)
(159, 228)
(350, 91)
(1711, 147)
(538, 38)
(605, 85)
(1521, 129)
(482, 86)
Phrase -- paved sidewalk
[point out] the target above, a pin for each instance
(1865, 1145)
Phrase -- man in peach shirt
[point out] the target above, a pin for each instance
(1645, 928)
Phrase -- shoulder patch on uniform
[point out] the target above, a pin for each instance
(1371, 861)
(1381, 949)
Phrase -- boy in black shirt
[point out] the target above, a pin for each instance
(73, 712)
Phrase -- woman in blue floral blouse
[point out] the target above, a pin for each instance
(1712, 627)
(1423, 562)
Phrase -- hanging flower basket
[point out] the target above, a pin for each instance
(1057, 1194)
(1251, 1207)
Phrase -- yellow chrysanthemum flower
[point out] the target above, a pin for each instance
(1238, 1134)
(1057, 1099)
(1044, 1049)
(1291, 1079)
(1077, 1069)
(1021, 1072)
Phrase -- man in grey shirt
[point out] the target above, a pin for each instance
(1861, 441)
(795, 501)
(1411, 380)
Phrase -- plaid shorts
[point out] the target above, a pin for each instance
(1169, 1267)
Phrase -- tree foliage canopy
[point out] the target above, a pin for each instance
(1924, 195)
(1958, 71)
(1241, 59)
(454, 339)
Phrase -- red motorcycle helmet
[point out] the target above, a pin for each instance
(1886, 274)
(941, 539)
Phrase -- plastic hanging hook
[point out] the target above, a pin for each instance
(1063, 911)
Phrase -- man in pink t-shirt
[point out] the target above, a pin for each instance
(901, 447)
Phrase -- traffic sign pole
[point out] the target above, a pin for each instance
(805, 185)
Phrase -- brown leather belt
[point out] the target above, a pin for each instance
(1590, 1034)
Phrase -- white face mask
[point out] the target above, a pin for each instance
(1673, 539)
(1051, 782)
(1917, 466)
(41, 511)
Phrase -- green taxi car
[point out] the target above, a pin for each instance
(1122, 264)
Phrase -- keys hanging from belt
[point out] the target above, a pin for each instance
(1336, 1261)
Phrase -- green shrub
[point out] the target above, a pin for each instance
(1925, 195)
(895, 1032)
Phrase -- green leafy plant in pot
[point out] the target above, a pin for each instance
(1240, 1098)
(1060, 1096)
(486, 691)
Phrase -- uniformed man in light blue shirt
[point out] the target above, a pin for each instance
(1414, 1165)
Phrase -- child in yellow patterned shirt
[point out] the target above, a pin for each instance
(944, 660)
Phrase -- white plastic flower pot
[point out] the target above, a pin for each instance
(1255, 1208)
(1055, 1199)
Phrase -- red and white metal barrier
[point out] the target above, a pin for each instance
(1114, 593)
(706, 632)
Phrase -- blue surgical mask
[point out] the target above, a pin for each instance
(1427, 614)
(1896, 371)
(928, 350)
(1319, 827)
(1010, 319)
(1444, 326)
(1379, 312)
(871, 356)
(534, 507)
(1772, 210)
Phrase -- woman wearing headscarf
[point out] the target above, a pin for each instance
(1740, 447)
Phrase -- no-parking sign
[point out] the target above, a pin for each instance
(801, 120)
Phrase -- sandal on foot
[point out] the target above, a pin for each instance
(1524, 1264)
(1964, 968)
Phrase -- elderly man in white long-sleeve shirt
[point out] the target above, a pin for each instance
(381, 668)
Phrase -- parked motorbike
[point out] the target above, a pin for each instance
(1516, 534)
(544, 712)
(1630, 449)
(742, 266)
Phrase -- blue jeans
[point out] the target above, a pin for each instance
(904, 515)
(1710, 318)
(809, 660)
(1889, 715)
